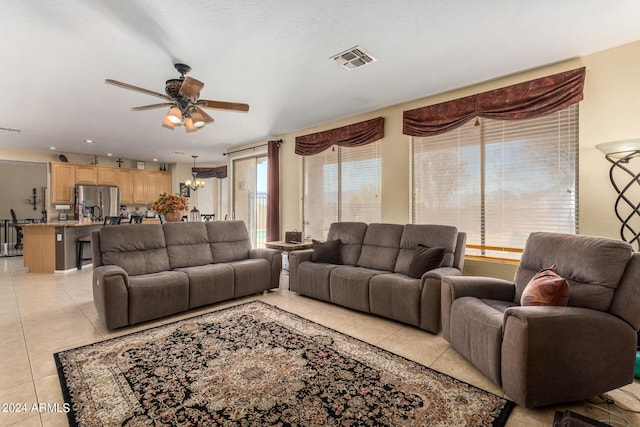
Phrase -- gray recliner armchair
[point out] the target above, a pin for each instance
(541, 355)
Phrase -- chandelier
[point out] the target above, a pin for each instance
(194, 185)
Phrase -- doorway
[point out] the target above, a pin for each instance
(250, 196)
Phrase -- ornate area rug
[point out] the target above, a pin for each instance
(257, 365)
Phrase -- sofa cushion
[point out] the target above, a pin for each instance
(546, 288)
(351, 236)
(395, 296)
(431, 235)
(327, 252)
(313, 279)
(187, 244)
(593, 277)
(138, 250)
(229, 240)
(209, 283)
(250, 276)
(425, 259)
(349, 286)
(380, 247)
(157, 295)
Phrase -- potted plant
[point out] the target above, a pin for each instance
(171, 206)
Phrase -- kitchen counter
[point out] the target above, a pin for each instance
(61, 224)
(51, 247)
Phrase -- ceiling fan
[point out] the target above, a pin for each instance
(182, 96)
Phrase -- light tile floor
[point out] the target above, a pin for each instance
(44, 313)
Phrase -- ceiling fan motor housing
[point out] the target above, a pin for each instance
(172, 87)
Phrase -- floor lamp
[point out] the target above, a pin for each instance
(626, 182)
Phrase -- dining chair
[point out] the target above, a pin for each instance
(112, 220)
(18, 228)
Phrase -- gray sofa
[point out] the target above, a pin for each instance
(540, 354)
(147, 271)
(372, 272)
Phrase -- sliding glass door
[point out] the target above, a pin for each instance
(250, 196)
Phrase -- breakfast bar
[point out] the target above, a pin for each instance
(51, 247)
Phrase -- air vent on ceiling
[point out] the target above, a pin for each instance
(353, 58)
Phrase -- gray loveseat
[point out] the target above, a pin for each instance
(147, 271)
(371, 274)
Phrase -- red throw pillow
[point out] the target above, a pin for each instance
(546, 288)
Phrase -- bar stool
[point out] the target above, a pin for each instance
(80, 243)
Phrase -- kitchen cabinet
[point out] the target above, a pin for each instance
(125, 184)
(107, 176)
(63, 179)
(164, 183)
(86, 174)
(152, 186)
(140, 187)
(137, 186)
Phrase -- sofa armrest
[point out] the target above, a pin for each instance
(570, 345)
(295, 259)
(454, 287)
(111, 295)
(274, 257)
(430, 297)
(441, 272)
(479, 287)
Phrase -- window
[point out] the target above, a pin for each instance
(340, 185)
(499, 180)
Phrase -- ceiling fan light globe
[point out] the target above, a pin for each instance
(198, 120)
(175, 116)
(188, 124)
(167, 123)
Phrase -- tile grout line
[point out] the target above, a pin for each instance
(24, 340)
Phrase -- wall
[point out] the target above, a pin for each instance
(608, 112)
(17, 179)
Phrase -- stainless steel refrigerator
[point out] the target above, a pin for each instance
(97, 201)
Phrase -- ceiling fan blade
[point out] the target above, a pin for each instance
(153, 106)
(190, 87)
(207, 118)
(136, 88)
(221, 105)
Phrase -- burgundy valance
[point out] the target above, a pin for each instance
(520, 101)
(218, 172)
(354, 135)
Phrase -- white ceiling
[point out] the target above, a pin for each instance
(272, 54)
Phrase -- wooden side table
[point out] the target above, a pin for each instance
(287, 247)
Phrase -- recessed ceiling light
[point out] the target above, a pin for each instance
(52, 148)
(155, 160)
(109, 154)
(89, 141)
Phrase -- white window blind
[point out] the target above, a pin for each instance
(320, 197)
(499, 180)
(340, 185)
